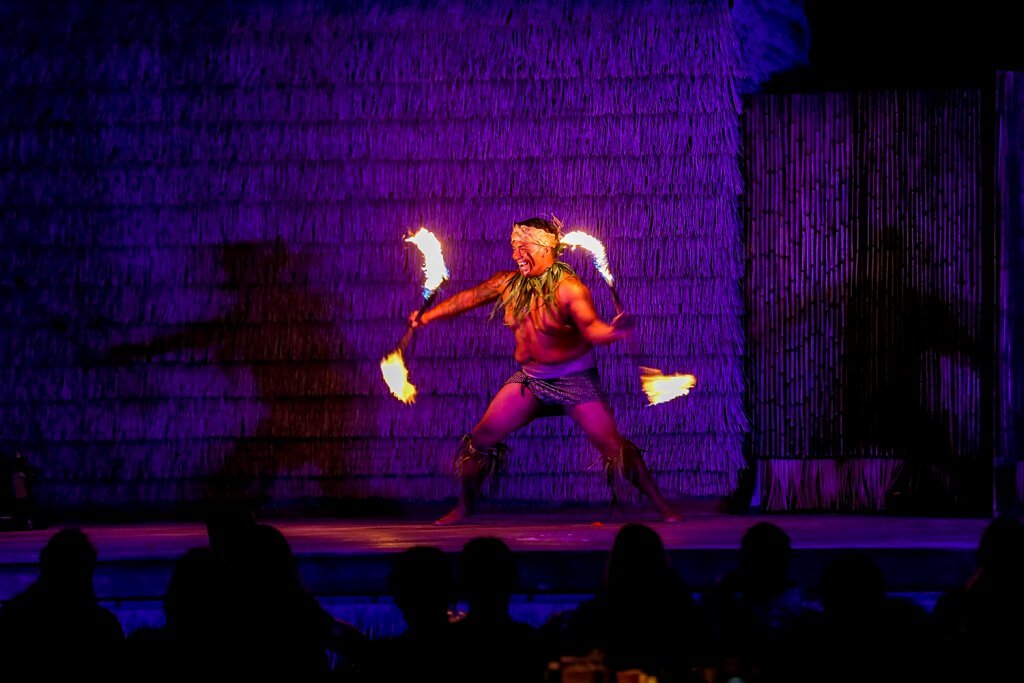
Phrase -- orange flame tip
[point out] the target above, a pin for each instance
(662, 388)
(397, 377)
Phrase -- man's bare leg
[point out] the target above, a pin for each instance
(514, 406)
(598, 423)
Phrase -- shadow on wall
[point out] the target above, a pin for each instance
(901, 344)
(277, 345)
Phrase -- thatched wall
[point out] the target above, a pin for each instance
(203, 206)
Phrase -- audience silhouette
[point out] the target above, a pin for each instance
(980, 624)
(493, 646)
(861, 634)
(421, 585)
(238, 609)
(751, 609)
(278, 627)
(644, 616)
(192, 638)
(56, 628)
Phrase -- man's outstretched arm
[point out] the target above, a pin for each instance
(576, 298)
(487, 291)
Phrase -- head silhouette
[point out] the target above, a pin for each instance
(195, 592)
(272, 562)
(421, 584)
(765, 554)
(227, 524)
(638, 561)
(488, 574)
(67, 563)
(1001, 551)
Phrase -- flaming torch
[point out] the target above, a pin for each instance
(661, 388)
(434, 270)
(392, 367)
(593, 245)
(397, 377)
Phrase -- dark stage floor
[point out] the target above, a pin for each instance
(561, 557)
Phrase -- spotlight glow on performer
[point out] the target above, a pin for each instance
(551, 314)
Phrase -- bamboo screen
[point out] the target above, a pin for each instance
(204, 205)
(1010, 208)
(866, 292)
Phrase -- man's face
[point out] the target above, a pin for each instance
(532, 259)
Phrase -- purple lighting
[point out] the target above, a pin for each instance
(204, 213)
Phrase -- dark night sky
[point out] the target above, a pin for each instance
(882, 44)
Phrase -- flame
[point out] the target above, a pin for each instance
(661, 388)
(397, 377)
(433, 260)
(593, 245)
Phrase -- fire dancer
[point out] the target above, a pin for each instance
(552, 316)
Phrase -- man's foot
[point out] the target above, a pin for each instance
(668, 514)
(456, 516)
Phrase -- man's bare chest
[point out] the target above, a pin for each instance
(549, 321)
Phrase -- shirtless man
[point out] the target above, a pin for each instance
(556, 327)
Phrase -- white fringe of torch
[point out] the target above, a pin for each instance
(578, 238)
(589, 243)
(392, 367)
